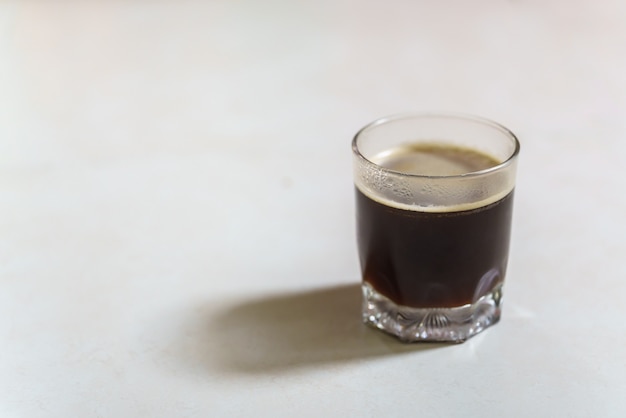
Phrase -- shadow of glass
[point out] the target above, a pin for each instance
(299, 330)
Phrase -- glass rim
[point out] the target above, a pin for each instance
(448, 115)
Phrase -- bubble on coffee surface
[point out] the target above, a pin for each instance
(379, 178)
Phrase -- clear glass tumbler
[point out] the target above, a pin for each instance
(434, 199)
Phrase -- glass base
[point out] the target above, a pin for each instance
(431, 324)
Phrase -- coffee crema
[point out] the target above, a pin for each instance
(427, 159)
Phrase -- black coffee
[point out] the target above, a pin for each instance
(433, 259)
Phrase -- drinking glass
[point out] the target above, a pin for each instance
(433, 245)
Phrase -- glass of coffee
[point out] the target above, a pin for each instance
(434, 198)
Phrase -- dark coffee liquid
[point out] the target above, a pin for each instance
(433, 259)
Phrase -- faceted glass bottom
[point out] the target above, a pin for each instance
(431, 324)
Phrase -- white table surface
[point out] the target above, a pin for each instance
(177, 230)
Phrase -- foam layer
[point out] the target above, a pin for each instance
(398, 177)
(434, 160)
